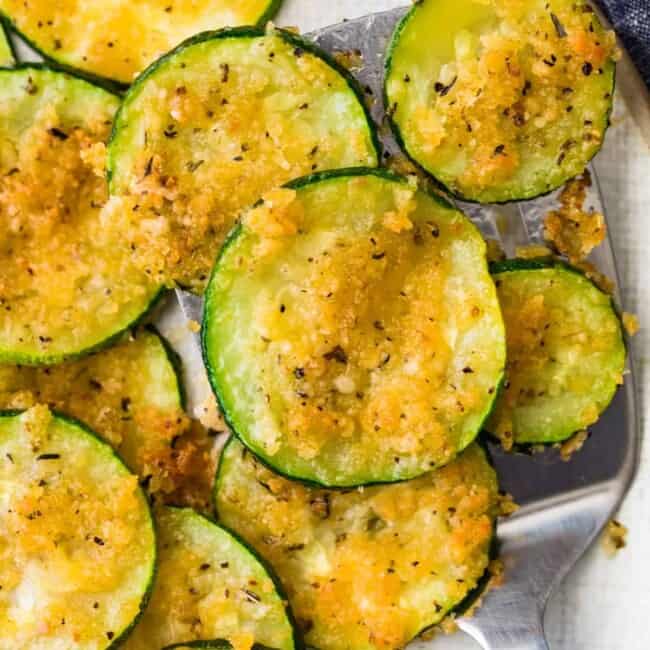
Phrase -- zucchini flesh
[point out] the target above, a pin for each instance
(209, 585)
(371, 342)
(6, 51)
(501, 100)
(67, 284)
(213, 125)
(129, 394)
(119, 39)
(372, 567)
(566, 353)
(77, 543)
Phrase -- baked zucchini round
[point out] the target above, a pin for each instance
(500, 100)
(212, 126)
(67, 284)
(352, 332)
(129, 394)
(77, 541)
(7, 57)
(209, 585)
(115, 41)
(565, 350)
(371, 567)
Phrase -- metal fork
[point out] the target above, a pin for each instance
(564, 504)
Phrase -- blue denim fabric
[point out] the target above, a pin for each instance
(631, 20)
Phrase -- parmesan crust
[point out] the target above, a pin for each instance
(398, 557)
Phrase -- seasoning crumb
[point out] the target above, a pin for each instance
(573, 445)
(193, 326)
(630, 323)
(614, 537)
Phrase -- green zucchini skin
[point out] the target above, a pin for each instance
(236, 32)
(190, 521)
(118, 640)
(237, 514)
(7, 51)
(112, 85)
(308, 478)
(447, 186)
(47, 73)
(526, 441)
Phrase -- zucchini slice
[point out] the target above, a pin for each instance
(77, 541)
(212, 126)
(115, 41)
(67, 284)
(566, 353)
(502, 100)
(352, 332)
(209, 585)
(7, 57)
(372, 567)
(129, 394)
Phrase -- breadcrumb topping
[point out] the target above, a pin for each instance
(398, 556)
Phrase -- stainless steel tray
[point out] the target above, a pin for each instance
(564, 504)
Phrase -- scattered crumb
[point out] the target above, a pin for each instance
(210, 416)
(614, 537)
(193, 326)
(630, 323)
(495, 252)
(572, 230)
(572, 445)
(507, 505)
(598, 278)
(349, 59)
(532, 251)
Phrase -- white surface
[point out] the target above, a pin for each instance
(605, 602)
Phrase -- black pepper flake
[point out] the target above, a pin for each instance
(224, 565)
(587, 68)
(283, 308)
(48, 457)
(298, 52)
(110, 635)
(170, 131)
(407, 78)
(337, 353)
(148, 167)
(526, 88)
(225, 72)
(251, 596)
(57, 133)
(299, 373)
(443, 89)
(499, 149)
(192, 166)
(559, 27)
(98, 540)
(205, 566)
(467, 370)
